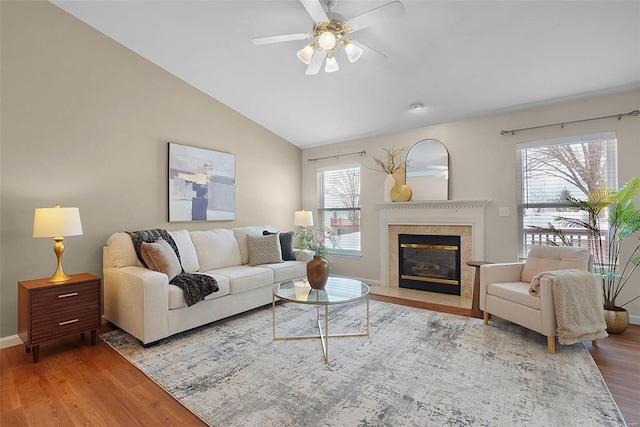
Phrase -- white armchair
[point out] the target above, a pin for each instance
(504, 288)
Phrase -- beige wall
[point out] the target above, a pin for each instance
(482, 166)
(85, 122)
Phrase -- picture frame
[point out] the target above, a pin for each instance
(201, 185)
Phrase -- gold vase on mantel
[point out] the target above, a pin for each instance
(617, 320)
(401, 193)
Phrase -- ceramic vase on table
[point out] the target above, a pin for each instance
(389, 183)
(317, 272)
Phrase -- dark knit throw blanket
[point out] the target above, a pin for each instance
(194, 286)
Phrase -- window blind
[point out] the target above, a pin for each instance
(339, 208)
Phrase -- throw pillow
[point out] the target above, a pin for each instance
(161, 257)
(286, 244)
(264, 249)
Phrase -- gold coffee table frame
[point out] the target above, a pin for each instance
(339, 290)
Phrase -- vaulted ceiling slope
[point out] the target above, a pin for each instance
(461, 59)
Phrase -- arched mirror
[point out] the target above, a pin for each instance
(428, 170)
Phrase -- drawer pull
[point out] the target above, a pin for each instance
(73, 294)
(68, 322)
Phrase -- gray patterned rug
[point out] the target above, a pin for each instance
(418, 368)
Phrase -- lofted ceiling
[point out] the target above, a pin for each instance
(462, 59)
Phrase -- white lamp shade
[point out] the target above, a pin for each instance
(303, 218)
(331, 65)
(306, 53)
(54, 222)
(327, 40)
(353, 52)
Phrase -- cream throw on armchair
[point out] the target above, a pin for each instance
(577, 304)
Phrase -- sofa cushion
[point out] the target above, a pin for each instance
(188, 255)
(241, 234)
(244, 278)
(548, 258)
(517, 292)
(121, 251)
(160, 256)
(286, 244)
(176, 295)
(288, 270)
(216, 249)
(264, 249)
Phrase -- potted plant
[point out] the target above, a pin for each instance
(314, 240)
(623, 221)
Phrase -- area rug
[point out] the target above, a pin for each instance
(417, 368)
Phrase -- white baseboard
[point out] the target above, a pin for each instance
(634, 319)
(10, 341)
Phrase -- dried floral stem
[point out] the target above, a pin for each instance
(389, 165)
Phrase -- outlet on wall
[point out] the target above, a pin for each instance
(503, 212)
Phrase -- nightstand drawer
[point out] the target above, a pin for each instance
(57, 298)
(48, 310)
(62, 323)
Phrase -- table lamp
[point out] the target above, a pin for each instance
(57, 222)
(303, 218)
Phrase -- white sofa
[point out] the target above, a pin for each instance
(143, 303)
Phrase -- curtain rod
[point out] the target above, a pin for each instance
(337, 156)
(561, 124)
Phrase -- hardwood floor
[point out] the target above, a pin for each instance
(77, 384)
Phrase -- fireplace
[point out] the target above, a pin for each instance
(447, 218)
(429, 263)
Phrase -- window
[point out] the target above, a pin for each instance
(547, 170)
(339, 208)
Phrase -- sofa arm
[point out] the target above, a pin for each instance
(498, 273)
(305, 255)
(137, 300)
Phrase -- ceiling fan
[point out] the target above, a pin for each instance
(330, 32)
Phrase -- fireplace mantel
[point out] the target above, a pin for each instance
(436, 204)
(432, 213)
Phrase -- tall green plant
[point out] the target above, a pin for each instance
(623, 221)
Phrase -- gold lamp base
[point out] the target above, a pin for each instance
(59, 275)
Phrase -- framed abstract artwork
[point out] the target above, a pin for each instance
(201, 184)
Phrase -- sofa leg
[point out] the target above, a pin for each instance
(595, 343)
(486, 318)
(551, 344)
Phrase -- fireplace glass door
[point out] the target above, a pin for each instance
(430, 263)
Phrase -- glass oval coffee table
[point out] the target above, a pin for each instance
(339, 290)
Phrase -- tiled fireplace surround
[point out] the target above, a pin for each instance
(452, 218)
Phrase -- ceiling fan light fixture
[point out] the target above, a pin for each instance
(327, 40)
(306, 53)
(331, 65)
(353, 52)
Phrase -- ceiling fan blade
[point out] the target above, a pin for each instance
(370, 54)
(316, 62)
(314, 8)
(280, 38)
(384, 12)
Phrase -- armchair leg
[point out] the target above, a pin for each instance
(486, 318)
(551, 344)
(595, 343)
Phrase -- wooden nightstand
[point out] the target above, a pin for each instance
(47, 311)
